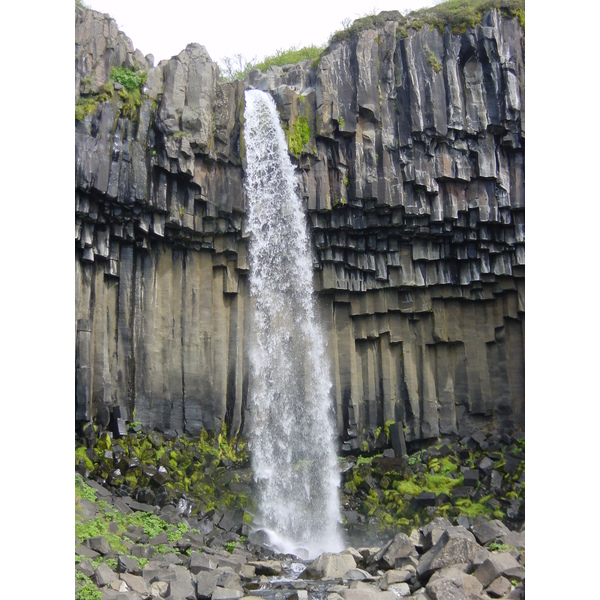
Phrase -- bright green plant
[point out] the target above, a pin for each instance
(497, 546)
(88, 591)
(129, 79)
(83, 490)
(299, 135)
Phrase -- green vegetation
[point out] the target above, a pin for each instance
(197, 467)
(366, 460)
(88, 591)
(129, 79)
(458, 15)
(390, 496)
(237, 67)
(111, 524)
(497, 546)
(132, 82)
(369, 21)
(292, 55)
(298, 135)
(434, 62)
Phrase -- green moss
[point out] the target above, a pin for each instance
(80, 454)
(440, 484)
(471, 509)
(298, 135)
(407, 487)
(433, 61)
(85, 106)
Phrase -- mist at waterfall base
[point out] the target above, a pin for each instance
(291, 429)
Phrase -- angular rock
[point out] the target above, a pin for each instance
(206, 582)
(85, 567)
(455, 546)
(226, 594)
(360, 591)
(489, 531)
(128, 565)
(471, 477)
(200, 561)
(499, 588)
(99, 544)
(135, 583)
(357, 575)
(452, 584)
(266, 567)
(329, 566)
(499, 563)
(228, 579)
(399, 589)
(159, 589)
(433, 531)
(83, 550)
(400, 547)
(104, 575)
(181, 590)
(395, 576)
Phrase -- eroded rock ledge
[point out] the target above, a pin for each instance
(413, 177)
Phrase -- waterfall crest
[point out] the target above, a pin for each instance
(291, 416)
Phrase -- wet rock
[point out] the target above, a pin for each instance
(267, 567)
(226, 594)
(329, 566)
(358, 575)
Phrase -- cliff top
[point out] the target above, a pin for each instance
(459, 15)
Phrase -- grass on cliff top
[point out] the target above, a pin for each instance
(237, 67)
(458, 15)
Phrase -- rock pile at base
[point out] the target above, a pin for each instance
(468, 559)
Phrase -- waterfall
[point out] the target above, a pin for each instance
(291, 434)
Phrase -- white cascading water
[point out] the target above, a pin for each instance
(291, 416)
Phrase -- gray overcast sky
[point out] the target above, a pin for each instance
(253, 29)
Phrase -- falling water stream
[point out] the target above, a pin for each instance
(291, 416)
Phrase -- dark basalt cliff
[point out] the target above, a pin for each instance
(410, 158)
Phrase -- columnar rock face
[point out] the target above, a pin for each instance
(412, 170)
